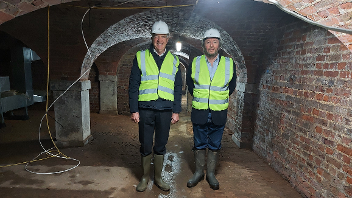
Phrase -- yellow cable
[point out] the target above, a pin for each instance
(47, 99)
(26, 162)
(47, 86)
(131, 8)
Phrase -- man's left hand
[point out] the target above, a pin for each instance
(174, 118)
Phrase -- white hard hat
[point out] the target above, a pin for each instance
(212, 33)
(160, 27)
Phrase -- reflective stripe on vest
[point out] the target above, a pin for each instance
(211, 94)
(155, 83)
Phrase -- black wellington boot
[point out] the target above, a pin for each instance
(211, 165)
(199, 157)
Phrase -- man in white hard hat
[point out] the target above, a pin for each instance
(211, 79)
(155, 91)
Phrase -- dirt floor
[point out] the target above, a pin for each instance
(109, 165)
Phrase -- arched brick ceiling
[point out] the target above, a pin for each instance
(334, 13)
(139, 25)
(10, 9)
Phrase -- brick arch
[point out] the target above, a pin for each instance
(328, 13)
(12, 9)
(139, 25)
(189, 26)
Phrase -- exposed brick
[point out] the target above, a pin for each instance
(329, 90)
(333, 11)
(315, 112)
(5, 17)
(318, 66)
(27, 7)
(308, 118)
(343, 149)
(329, 151)
(327, 50)
(333, 40)
(323, 14)
(326, 65)
(318, 129)
(334, 162)
(349, 180)
(52, 2)
(347, 5)
(329, 116)
(39, 3)
(328, 142)
(345, 74)
(348, 190)
(347, 169)
(3, 5)
(334, 100)
(342, 65)
(346, 159)
(13, 2)
(346, 140)
(320, 58)
(309, 10)
(331, 73)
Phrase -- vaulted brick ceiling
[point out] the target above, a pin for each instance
(246, 22)
(328, 12)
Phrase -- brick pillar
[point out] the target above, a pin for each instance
(244, 120)
(108, 94)
(72, 113)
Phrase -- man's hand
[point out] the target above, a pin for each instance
(135, 117)
(174, 118)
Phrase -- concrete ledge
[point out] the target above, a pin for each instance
(67, 144)
(62, 85)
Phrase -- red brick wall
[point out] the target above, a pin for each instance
(123, 74)
(303, 127)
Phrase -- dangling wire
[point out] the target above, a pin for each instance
(49, 151)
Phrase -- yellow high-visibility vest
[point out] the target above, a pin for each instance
(211, 94)
(155, 84)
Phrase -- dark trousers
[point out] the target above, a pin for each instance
(150, 121)
(208, 136)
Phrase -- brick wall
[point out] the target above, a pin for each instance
(303, 127)
(123, 74)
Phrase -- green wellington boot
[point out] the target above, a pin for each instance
(211, 165)
(143, 184)
(199, 157)
(158, 167)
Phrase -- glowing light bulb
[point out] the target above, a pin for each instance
(178, 46)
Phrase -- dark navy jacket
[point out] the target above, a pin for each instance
(159, 104)
(201, 116)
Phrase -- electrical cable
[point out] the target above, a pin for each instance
(49, 151)
(133, 8)
(337, 29)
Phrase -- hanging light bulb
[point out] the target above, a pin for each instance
(178, 46)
